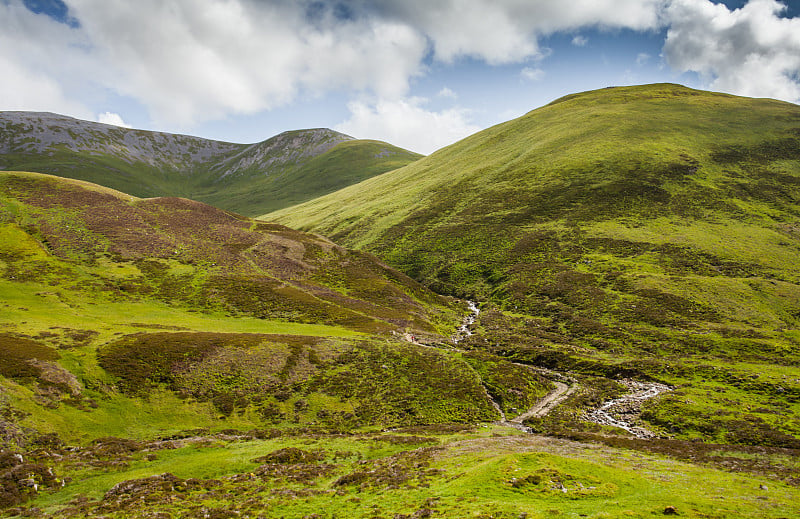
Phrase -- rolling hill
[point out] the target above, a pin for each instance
(649, 231)
(250, 179)
(635, 353)
(133, 292)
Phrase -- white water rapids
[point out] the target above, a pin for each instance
(469, 320)
(621, 412)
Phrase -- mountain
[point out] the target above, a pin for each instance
(82, 238)
(633, 352)
(287, 169)
(649, 231)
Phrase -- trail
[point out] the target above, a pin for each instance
(551, 400)
(565, 386)
(620, 412)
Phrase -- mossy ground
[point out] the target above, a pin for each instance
(647, 231)
(430, 472)
(171, 360)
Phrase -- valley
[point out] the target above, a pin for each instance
(589, 311)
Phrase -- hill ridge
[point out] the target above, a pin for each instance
(649, 231)
(247, 178)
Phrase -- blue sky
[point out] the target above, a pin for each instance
(417, 73)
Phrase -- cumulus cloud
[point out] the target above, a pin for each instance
(406, 123)
(193, 60)
(750, 51)
(113, 119)
(41, 93)
(39, 74)
(507, 31)
(532, 73)
(204, 59)
(189, 61)
(580, 41)
(446, 92)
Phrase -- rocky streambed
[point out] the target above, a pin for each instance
(464, 330)
(624, 412)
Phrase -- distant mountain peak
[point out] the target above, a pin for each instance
(283, 170)
(293, 146)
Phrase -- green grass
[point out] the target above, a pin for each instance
(465, 475)
(346, 164)
(642, 232)
(637, 228)
(130, 317)
(249, 179)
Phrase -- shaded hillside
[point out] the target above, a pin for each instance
(651, 231)
(289, 168)
(129, 316)
(120, 248)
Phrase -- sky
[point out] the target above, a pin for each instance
(420, 74)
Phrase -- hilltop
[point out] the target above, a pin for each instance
(633, 350)
(287, 169)
(648, 231)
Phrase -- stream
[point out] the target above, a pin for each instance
(463, 330)
(623, 412)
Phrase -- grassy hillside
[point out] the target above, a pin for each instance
(164, 358)
(250, 179)
(162, 286)
(347, 163)
(649, 231)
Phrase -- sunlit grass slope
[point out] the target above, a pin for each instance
(131, 317)
(650, 231)
(348, 163)
(420, 472)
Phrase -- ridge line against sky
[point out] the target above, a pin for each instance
(419, 74)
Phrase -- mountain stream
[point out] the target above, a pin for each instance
(622, 412)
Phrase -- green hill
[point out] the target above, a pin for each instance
(250, 179)
(146, 288)
(649, 231)
(160, 357)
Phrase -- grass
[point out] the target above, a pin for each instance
(250, 179)
(637, 230)
(136, 318)
(643, 232)
(471, 474)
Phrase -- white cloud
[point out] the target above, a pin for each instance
(406, 123)
(749, 51)
(188, 61)
(113, 119)
(41, 93)
(36, 75)
(446, 92)
(507, 31)
(580, 41)
(642, 58)
(532, 74)
(194, 60)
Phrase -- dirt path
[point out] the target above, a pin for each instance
(565, 385)
(620, 412)
(551, 400)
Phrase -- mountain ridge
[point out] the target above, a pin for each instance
(247, 178)
(647, 231)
